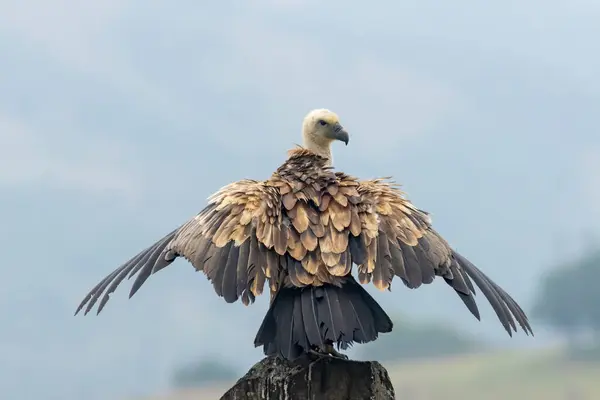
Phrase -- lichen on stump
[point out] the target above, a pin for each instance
(326, 378)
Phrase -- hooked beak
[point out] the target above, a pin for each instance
(339, 133)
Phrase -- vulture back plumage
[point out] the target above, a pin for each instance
(301, 231)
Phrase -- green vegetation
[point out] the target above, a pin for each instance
(567, 302)
(516, 374)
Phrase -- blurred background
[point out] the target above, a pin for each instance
(119, 118)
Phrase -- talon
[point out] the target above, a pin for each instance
(330, 351)
(337, 354)
(326, 350)
(316, 354)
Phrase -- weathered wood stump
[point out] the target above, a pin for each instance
(323, 379)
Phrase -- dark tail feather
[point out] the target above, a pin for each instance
(302, 318)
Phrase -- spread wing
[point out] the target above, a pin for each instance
(397, 240)
(226, 241)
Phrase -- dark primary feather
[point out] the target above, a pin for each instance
(242, 268)
(413, 269)
(504, 305)
(144, 263)
(229, 277)
(357, 250)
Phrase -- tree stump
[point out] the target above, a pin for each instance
(323, 379)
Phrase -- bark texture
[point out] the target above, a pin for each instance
(323, 379)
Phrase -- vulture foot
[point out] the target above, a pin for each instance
(327, 350)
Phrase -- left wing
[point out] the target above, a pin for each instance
(222, 241)
(397, 240)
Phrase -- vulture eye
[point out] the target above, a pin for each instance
(322, 123)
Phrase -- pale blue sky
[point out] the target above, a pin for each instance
(119, 118)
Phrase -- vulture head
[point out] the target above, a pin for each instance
(322, 127)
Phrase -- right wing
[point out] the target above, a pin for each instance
(397, 239)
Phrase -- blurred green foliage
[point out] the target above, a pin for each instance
(568, 301)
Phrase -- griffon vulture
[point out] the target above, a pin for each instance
(301, 231)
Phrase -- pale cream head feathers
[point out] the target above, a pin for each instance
(320, 128)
